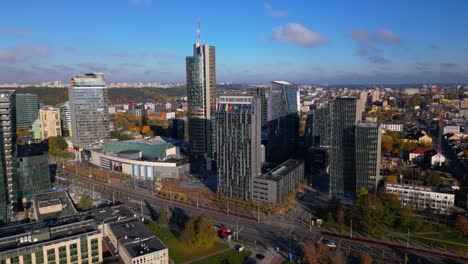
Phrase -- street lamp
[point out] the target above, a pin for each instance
(91, 185)
(118, 245)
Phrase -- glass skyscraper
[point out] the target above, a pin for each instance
(201, 93)
(88, 98)
(65, 119)
(238, 130)
(33, 172)
(8, 181)
(368, 150)
(283, 121)
(27, 107)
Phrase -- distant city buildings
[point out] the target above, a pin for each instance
(88, 98)
(27, 107)
(49, 120)
(238, 133)
(8, 178)
(201, 94)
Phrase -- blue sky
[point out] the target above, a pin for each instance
(310, 41)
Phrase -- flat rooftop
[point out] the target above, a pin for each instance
(111, 214)
(368, 124)
(51, 205)
(140, 241)
(282, 170)
(23, 235)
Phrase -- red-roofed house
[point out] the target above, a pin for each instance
(417, 154)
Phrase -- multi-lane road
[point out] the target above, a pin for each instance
(269, 234)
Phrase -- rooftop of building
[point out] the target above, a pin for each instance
(368, 124)
(22, 235)
(111, 214)
(282, 83)
(52, 205)
(31, 150)
(136, 237)
(6, 93)
(151, 147)
(416, 187)
(282, 170)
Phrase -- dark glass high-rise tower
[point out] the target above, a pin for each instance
(201, 94)
(238, 133)
(368, 149)
(27, 108)
(89, 110)
(344, 116)
(8, 180)
(283, 121)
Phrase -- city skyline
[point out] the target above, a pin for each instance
(145, 40)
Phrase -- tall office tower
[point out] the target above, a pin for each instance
(362, 102)
(344, 116)
(238, 130)
(262, 92)
(65, 119)
(368, 149)
(201, 93)
(320, 131)
(8, 180)
(283, 121)
(27, 107)
(33, 172)
(89, 110)
(375, 96)
(49, 120)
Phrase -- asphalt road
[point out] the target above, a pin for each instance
(267, 233)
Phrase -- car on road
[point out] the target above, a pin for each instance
(329, 243)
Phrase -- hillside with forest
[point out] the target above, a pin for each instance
(57, 96)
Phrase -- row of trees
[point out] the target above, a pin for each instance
(373, 214)
(198, 230)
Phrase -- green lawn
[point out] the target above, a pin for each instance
(178, 251)
(65, 155)
(447, 237)
(231, 257)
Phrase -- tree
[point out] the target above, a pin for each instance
(145, 130)
(392, 178)
(340, 214)
(86, 203)
(460, 224)
(199, 232)
(337, 258)
(365, 258)
(362, 192)
(315, 253)
(57, 144)
(163, 218)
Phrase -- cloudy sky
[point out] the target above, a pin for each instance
(310, 41)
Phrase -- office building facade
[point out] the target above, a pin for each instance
(49, 119)
(88, 99)
(68, 240)
(238, 130)
(368, 150)
(201, 95)
(65, 119)
(262, 92)
(283, 121)
(33, 172)
(27, 108)
(8, 181)
(344, 116)
(274, 186)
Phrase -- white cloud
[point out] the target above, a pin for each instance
(387, 35)
(276, 13)
(297, 34)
